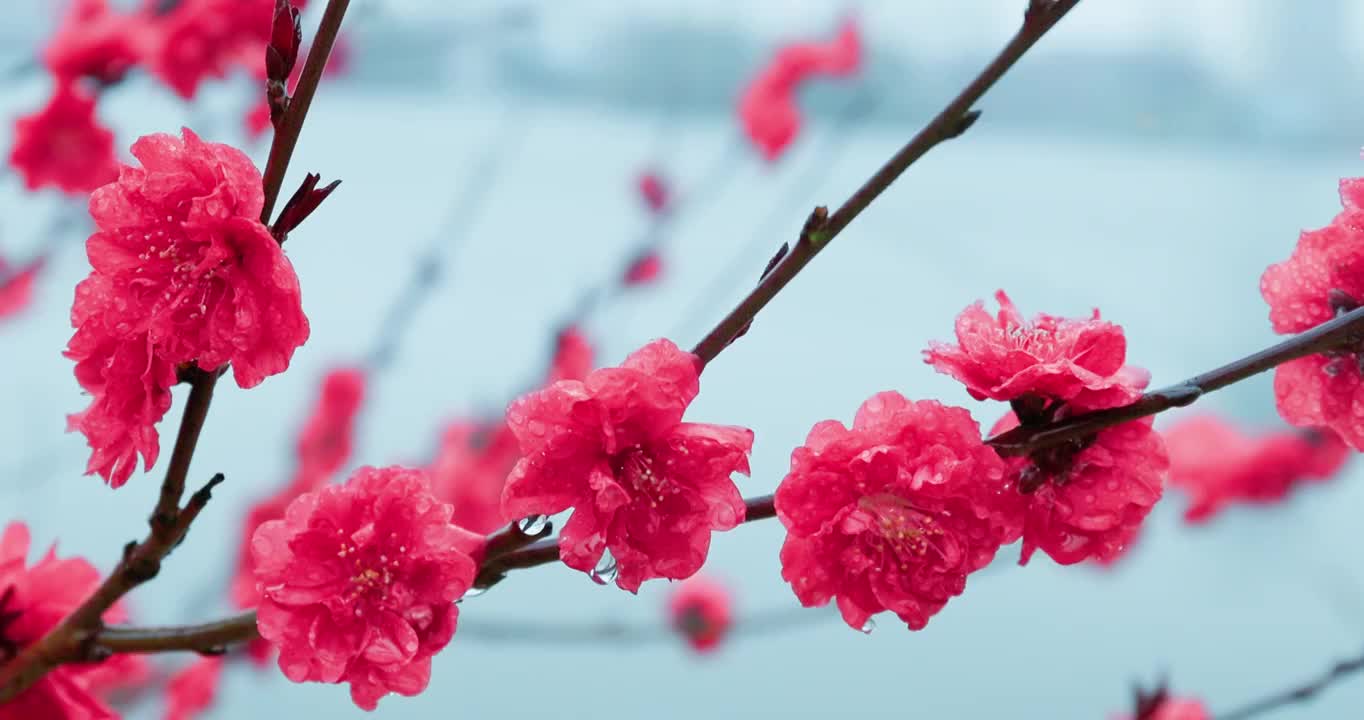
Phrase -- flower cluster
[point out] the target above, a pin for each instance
(767, 108)
(358, 583)
(180, 42)
(1323, 278)
(184, 273)
(1086, 499)
(894, 512)
(1217, 464)
(33, 599)
(643, 485)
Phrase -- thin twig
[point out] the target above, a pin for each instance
(76, 637)
(954, 120)
(1301, 693)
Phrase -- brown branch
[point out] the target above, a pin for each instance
(954, 120)
(76, 637)
(205, 638)
(1342, 331)
(1302, 693)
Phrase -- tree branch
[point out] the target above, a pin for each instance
(76, 637)
(1302, 693)
(1345, 330)
(951, 122)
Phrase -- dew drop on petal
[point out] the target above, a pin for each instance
(605, 571)
(532, 524)
(868, 626)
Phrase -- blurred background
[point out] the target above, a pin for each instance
(1149, 159)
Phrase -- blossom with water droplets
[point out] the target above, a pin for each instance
(1218, 464)
(701, 611)
(1086, 500)
(895, 512)
(33, 599)
(358, 583)
(1323, 278)
(767, 108)
(1078, 361)
(642, 484)
(183, 272)
(64, 144)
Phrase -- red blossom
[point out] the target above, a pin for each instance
(192, 690)
(895, 512)
(768, 109)
(63, 144)
(644, 269)
(1090, 498)
(33, 600)
(643, 485)
(654, 192)
(199, 39)
(358, 583)
(470, 471)
(1076, 361)
(324, 446)
(700, 611)
(97, 42)
(183, 272)
(1174, 709)
(1323, 278)
(1217, 464)
(16, 287)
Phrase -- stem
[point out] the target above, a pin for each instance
(206, 637)
(951, 122)
(286, 137)
(1347, 329)
(76, 637)
(1302, 693)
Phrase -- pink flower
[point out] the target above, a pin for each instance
(324, 445)
(63, 144)
(470, 471)
(205, 38)
(1076, 361)
(644, 270)
(700, 611)
(654, 192)
(192, 690)
(573, 356)
(643, 485)
(894, 513)
(16, 287)
(183, 272)
(1087, 500)
(1217, 464)
(33, 599)
(96, 42)
(1323, 278)
(1175, 709)
(768, 108)
(358, 583)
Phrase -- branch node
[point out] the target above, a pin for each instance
(967, 119)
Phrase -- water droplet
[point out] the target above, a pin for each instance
(605, 571)
(868, 626)
(473, 592)
(532, 525)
